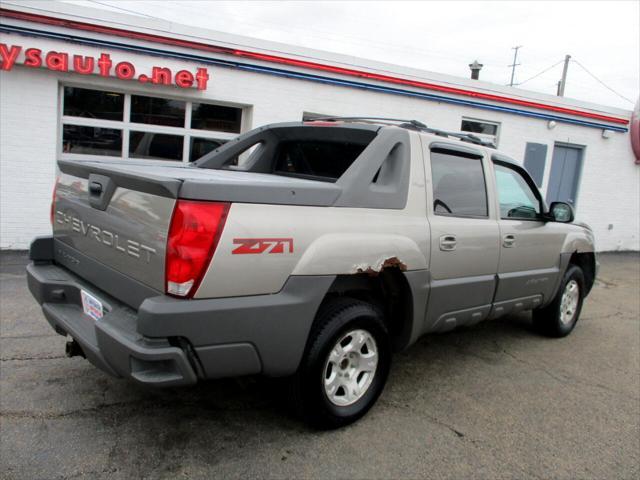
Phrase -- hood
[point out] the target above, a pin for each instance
(583, 225)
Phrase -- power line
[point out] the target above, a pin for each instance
(124, 9)
(601, 82)
(323, 35)
(540, 73)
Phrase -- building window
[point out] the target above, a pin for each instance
(201, 146)
(215, 117)
(157, 146)
(157, 111)
(80, 102)
(91, 140)
(482, 128)
(122, 125)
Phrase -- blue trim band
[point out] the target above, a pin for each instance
(300, 76)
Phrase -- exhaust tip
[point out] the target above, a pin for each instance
(73, 349)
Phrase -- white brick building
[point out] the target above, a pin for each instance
(50, 109)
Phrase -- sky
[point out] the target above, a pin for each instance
(602, 37)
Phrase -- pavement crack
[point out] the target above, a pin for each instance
(9, 337)
(12, 275)
(16, 414)
(429, 417)
(24, 359)
(567, 378)
(90, 473)
(451, 428)
(535, 366)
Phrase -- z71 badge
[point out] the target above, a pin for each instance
(262, 245)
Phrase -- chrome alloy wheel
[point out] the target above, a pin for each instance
(350, 368)
(569, 302)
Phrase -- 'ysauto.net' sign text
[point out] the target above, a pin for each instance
(101, 65)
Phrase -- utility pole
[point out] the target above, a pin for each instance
(514, 65)
(563, 82)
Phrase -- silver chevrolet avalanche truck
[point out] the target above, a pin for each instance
(307, 250)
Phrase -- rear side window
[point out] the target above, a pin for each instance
(458, 185)
(317, 160)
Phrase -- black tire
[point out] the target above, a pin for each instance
(548, 320)
(335, 319)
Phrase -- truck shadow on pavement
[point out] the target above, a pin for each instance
(258, 403)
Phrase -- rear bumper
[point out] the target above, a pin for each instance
(171, 342)
(111, 344)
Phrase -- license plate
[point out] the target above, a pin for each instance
(91, 305)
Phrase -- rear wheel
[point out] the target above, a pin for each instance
(345, 365)
(559, 318)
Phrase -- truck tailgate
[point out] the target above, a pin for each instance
(122, 225)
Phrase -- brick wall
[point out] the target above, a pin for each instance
(28, 123)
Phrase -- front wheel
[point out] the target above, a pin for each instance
(345, 366)
(559, 318)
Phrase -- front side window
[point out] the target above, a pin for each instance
(458, 185)
(517, 199)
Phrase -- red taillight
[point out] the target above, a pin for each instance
(52, 214)
(193, 237)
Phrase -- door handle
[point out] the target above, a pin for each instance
(95, 188)
(509, 240)
(448, 243)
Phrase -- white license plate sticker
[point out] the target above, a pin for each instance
(91, 305)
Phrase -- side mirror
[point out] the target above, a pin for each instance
(561, 212)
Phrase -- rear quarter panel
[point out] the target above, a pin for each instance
(324, 241)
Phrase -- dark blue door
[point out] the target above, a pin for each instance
(565, 174)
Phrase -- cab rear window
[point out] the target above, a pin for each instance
(317, 160)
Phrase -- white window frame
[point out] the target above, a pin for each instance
(494, 138)
(127, 126)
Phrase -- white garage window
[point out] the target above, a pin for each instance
(123, 125)
(484, 129)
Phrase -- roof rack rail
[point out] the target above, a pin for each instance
(412, 125)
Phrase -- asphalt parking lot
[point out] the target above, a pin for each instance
(493, 401)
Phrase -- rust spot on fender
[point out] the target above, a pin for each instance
(392, 262)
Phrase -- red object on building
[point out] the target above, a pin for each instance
(634, 134)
